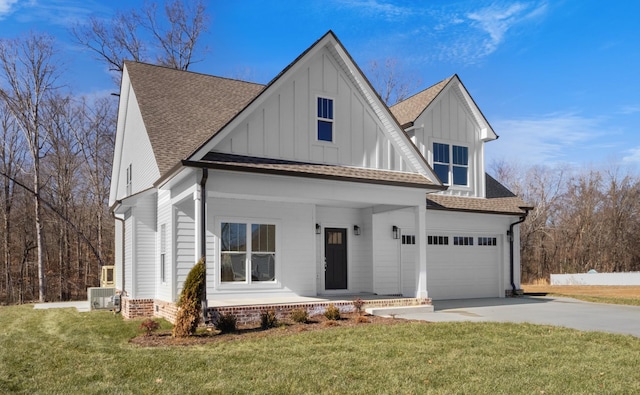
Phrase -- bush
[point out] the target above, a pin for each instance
(358, 304)
(300, 316)
(226, 323)
(149, 326)
(190, 302)
(332, 313)
(362, 320)
(268, 319)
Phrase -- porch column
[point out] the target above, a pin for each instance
(420, 215)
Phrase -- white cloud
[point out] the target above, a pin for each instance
(632, 156)
(6, 7)
(558, 137)
(497, 19)
(378, 8)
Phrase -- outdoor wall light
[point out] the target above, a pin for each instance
(318, 229)
(396, 232)
(356, 230)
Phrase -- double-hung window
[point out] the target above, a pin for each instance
(451, 163)
(129, 179)
(325, 119)
(247, 252)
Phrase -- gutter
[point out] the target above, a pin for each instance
(510, 234)
(203, 239)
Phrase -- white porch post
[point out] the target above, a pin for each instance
(197, 195)
(420, 215)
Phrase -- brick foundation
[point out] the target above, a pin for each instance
(147, 308)
(137, 308)
(251, 314)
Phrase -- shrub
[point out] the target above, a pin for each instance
(362, 320)
(332, 313)
(190, 302)
(300, 316)
(226, 323)
(268, 319)
(358, 304)
(149, 326)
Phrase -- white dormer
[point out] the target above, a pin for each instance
(450, 131)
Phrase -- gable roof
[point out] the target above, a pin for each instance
(182, 109)
(409, 109)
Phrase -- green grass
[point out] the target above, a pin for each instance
(63, 351)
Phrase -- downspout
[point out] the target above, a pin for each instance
(119, 307)
(510, 234)
(203, 239)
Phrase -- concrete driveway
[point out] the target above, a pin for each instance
(567, 312)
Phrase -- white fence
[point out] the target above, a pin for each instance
(628, 278)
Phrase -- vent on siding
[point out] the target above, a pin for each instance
(101, 298)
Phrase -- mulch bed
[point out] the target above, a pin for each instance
(211, 335)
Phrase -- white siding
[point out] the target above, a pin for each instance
(165, 290)
(449, 121)
(137, 151)
(184, 242)
(145, 250)
(128, 286)
(295, 263)
(285, 125)
(387, 275)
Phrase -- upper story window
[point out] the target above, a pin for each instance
(247, 252)
(451, 162)
(325, 119)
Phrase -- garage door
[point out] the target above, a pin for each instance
(463, 266)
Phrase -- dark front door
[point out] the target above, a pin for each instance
(335, 252)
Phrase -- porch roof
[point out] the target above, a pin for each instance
(223, 161)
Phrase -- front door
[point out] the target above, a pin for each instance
(335, 252)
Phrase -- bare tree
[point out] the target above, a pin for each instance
(11, 159)
(29, 72)
(389, 80)
(169, 37)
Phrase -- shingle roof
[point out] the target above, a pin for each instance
(181, 109)
(312, 170)
(499, 200)
(408, 110)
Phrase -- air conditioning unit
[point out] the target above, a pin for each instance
(101, 298)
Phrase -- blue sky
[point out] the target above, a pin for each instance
(557, 80)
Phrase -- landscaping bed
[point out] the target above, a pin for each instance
(285, 327)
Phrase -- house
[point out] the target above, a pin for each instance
(305, 188)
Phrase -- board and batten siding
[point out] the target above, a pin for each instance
(137, 151)
(284, 126)
(448, 120)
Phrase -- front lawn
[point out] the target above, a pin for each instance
(63, 351)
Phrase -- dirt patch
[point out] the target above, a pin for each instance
(210, 335)
(626, 291)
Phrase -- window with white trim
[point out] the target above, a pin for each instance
(408, 239)
(247, 252)
(325, 119)
(487, 241)
(451, 162)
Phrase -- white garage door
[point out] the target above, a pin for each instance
(463, 266)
